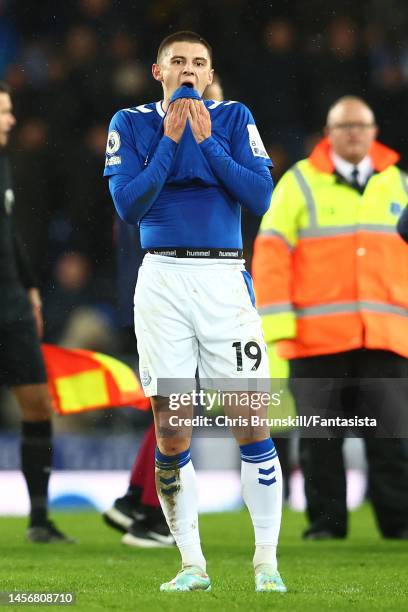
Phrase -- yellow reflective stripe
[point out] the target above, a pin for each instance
(307, 194)
(124, 376)
(275, 308)
(329, 230)
(341, 230)
(351, 307)
(276, 234)
(384, 308)
(377, 227)
(339, 308)
(80, 391)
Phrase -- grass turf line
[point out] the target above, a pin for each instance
(361, 573)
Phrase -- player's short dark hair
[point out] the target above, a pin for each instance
(5, 87)
(183, 36)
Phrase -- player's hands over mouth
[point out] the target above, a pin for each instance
(175, 120)
(200, 120)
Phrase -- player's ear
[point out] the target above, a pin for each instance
(211, 76)
(156, 72)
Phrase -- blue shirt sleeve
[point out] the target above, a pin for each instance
(134, 188)
(245, 173)
(247, 147)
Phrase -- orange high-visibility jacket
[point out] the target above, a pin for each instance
(330, 271)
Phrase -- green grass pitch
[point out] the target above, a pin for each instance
(361, 573)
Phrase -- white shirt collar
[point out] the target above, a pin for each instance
(159, 108)
(345, 168)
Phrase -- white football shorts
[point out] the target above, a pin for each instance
(196, 313)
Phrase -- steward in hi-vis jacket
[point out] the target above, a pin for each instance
(331, 271)
(331, 281)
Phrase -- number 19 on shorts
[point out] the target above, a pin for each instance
(252, 351)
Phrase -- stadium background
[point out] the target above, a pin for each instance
(71, 65)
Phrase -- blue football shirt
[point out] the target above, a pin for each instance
(193, 209)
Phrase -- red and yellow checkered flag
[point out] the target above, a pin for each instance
(81, 380)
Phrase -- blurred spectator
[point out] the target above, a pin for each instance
(95, 13)
(88, 205)
(72, 311)
(34, 62)
(128, 75)
(380, 54)
(60, 100)
(32, 170)
(9, 43)
(87, 76)
(388, 86)
(340, 68)
(214, 91)
(280, 106)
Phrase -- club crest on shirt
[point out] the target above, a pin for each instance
(8, 200)
(113, 143)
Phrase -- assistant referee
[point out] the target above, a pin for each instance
(21, 363)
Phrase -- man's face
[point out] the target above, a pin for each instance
(351, 129)
(183, 63)
(7, 119)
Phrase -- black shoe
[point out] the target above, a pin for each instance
(123, 513)
(47, 533)
(322, 534)
(151, 532)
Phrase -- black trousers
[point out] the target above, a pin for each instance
(321, 459)
(21, 360)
